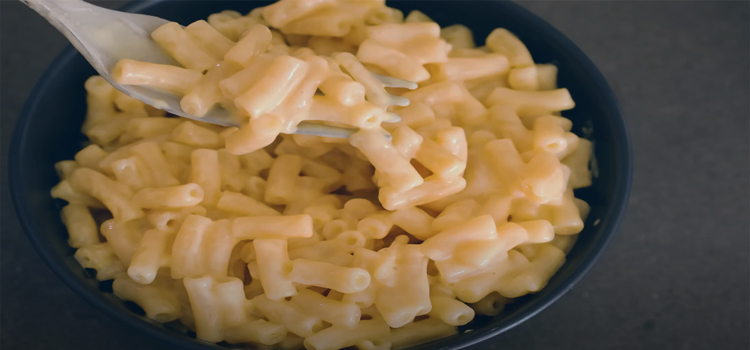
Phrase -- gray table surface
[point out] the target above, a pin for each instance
(675, 277)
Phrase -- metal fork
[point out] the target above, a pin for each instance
(105, 36)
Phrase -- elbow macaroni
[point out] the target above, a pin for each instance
(298, 241)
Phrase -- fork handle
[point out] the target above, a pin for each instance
(67, 16)
(55, 9)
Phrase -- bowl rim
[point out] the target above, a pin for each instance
(622, 183)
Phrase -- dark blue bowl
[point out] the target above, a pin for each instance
(48, 131)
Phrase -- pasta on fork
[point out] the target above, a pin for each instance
(393, 237)
(269, 85)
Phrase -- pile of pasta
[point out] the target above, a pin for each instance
(256, 235)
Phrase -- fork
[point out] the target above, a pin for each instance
(106, 36)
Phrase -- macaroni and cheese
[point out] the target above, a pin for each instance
(257, 235)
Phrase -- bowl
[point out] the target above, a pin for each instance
(48, 131)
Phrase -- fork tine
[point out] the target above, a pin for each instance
(392, 118)
(395, 82)
(306, 128)
(399, 101)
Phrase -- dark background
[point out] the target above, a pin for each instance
(675, 277)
